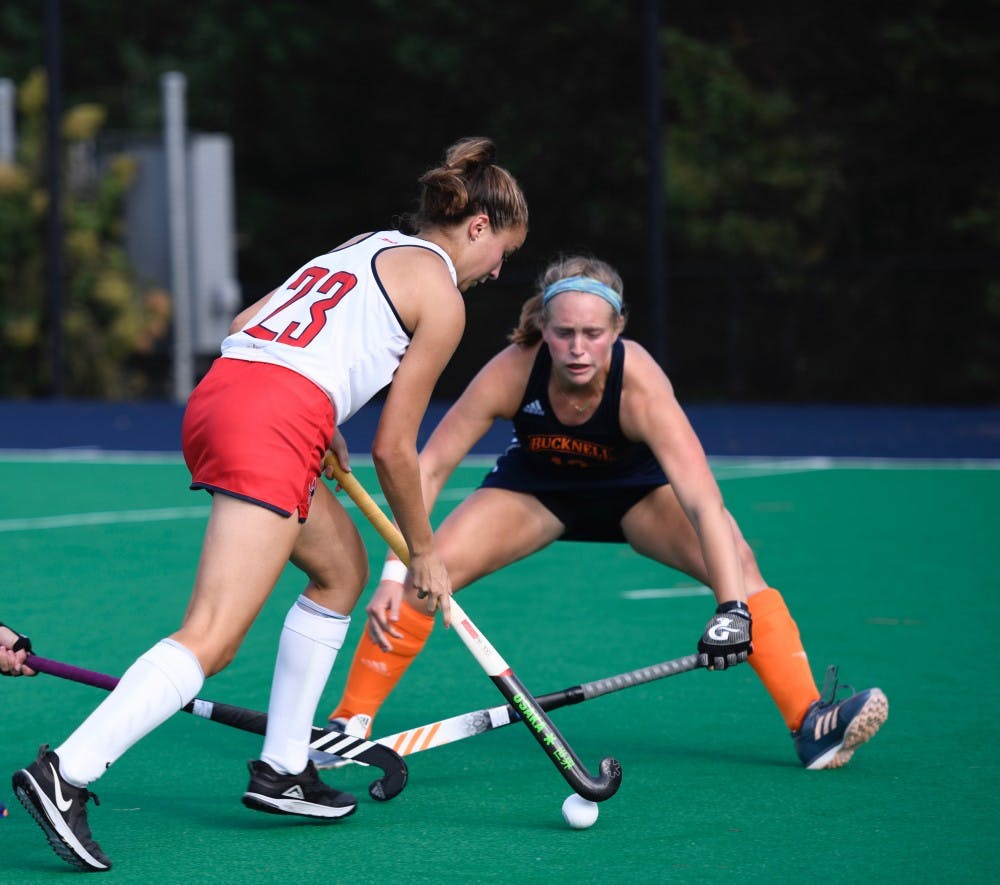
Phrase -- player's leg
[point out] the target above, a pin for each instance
(244, 550)
(488, 530)
(658, 528)
(826, 732)
(330, 551)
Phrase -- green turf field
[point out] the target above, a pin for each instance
(891, 571)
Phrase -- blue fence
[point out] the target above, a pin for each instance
(768, 430)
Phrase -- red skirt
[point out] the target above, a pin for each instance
(257, 432)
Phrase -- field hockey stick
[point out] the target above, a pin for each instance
(465, 725)
(597, 789)
(326, 740)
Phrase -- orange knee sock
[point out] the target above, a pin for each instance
(779, 658)
(374, 673)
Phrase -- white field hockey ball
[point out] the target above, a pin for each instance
(578, 812)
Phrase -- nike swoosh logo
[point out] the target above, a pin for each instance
(62, 803)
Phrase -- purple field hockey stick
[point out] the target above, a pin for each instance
(326, 740)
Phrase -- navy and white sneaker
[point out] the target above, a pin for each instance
(303, 794)
(60, 810)
(832, 731)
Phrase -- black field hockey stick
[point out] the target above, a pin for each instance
(566, 761)
(465, 725)
(326, 740)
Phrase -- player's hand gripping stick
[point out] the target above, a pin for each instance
(597, 789)
(726, 641)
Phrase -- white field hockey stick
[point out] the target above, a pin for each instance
(465, 725)
(326, 740)
(597, 789)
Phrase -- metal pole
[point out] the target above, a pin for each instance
(174, 86)
(53, 238)
(8, 131)
(655, 177)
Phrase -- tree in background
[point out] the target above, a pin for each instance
(835, 200)
(833, 195)
(109, 317)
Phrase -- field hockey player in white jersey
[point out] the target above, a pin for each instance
(383, 307)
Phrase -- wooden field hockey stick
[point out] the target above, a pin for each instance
(326, 740)
(466, 725)
(597, 789)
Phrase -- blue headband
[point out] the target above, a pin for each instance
(583, 284)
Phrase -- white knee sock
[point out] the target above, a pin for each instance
(157, 685)
(310, 640)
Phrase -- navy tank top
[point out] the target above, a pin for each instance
(546, 454)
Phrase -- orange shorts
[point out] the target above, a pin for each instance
(257, 432)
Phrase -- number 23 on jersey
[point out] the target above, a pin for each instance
(334, 286)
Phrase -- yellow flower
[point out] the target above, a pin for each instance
(13, 179)
(39, 201)
(83, 245)
(34, 92)
(112, 289)
(82, 123)
(75, 323)
(124, 167)
(125, 332)
(21, 331)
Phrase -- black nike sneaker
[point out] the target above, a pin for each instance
(60, 810)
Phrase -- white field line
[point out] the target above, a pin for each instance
(667, 592)
(724, 468)
(741, 466)
(160, 514)
(107, 517)
(782, 465)
(86, 455)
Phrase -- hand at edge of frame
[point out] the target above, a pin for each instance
(14, 650)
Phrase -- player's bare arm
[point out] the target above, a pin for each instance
(433, 309)
(651, 413)
(495, 392)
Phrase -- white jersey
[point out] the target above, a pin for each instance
(332, 322)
